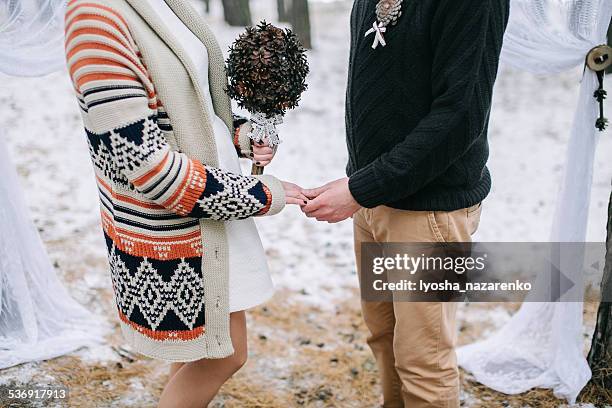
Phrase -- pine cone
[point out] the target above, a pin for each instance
(388, 11)
(267, 70)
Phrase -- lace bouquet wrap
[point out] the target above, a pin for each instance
(267, 71)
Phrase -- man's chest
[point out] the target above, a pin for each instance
(391, 75)
(403, 27)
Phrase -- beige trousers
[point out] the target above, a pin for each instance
(414, 342)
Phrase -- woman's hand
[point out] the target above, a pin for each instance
(294, 194)
(262, 153)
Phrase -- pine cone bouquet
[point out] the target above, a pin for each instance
(267, 70)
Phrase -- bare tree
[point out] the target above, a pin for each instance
(609, 70)
(300, 21)
(284, 10)
(237, 12)
(600, 355)
(206, 6)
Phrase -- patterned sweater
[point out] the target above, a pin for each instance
(162, 210)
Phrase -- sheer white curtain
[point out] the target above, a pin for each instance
(541, 346)
(31, 36)
(38, 318)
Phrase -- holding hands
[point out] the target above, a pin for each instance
(332, 202)
(261, 157)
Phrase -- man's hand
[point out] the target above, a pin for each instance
(332, 203)
(262, 153)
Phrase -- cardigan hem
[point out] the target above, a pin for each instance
(176, 351)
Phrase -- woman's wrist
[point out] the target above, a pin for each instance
(241, 139)
(277, 192)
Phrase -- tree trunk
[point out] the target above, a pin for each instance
(300, 20)
(609, 70)
(237, 12)
(600, 356)
(284, 10)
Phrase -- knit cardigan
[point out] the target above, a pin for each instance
(163, 201)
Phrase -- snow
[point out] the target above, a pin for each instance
(528, 133)
(530, 120)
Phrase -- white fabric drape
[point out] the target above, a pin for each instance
(38, 318)
(31, 37)
(541, 346)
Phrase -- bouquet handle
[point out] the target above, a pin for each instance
(263, 127)
(256, 170)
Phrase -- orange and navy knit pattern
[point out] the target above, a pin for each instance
(152, 197)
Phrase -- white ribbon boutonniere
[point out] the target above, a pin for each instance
(378, 29)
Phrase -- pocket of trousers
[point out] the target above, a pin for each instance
(437, 224)
(473, 217)
(474, 209)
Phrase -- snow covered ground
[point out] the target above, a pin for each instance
(311, 263)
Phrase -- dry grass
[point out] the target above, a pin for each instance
(300, 356)
(100, 382)
(90, 384)
(314, 357)
(598, 391)
(484, 397)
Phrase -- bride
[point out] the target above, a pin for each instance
(185, 257)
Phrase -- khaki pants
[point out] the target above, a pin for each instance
(414, 343)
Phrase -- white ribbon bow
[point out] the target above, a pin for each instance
(263, 127)
(378, 30)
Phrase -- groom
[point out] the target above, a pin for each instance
(417, 110)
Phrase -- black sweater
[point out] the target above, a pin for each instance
(417, 110)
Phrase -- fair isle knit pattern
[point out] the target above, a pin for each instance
(153, 197)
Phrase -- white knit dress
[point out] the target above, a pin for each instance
(249, 279)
